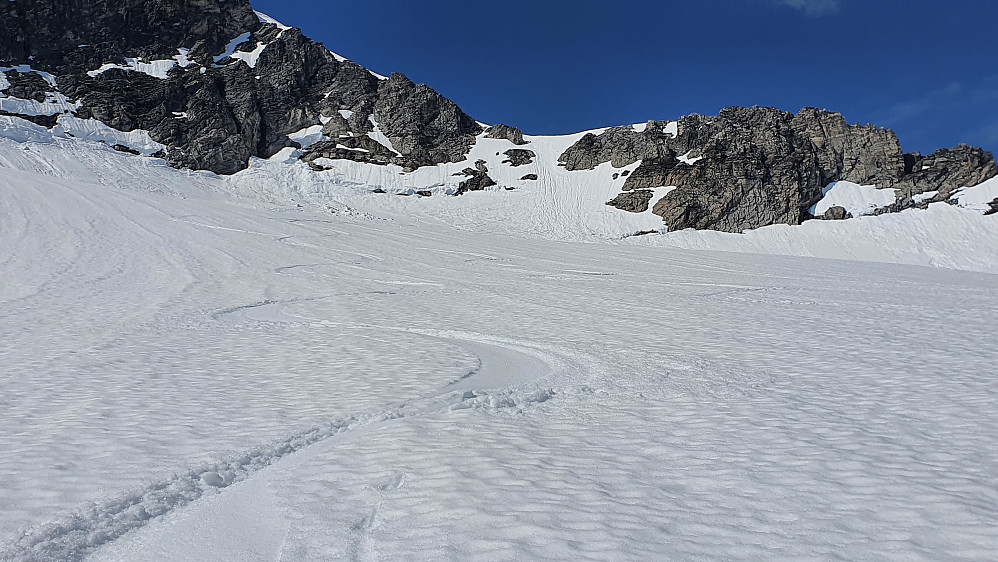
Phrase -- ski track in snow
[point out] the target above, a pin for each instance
(79, 533)
(187, 374)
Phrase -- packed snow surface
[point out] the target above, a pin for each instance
(978, 196)
(196, 368)
(857, 200)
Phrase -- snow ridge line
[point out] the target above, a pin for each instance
(72, 536)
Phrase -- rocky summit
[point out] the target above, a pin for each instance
(216, 84)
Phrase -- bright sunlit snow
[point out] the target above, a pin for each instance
(53, 104)
(267, 19)
(978, 197)
(858, 200)
(283, 365)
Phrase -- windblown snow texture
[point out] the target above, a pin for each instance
(195, 374)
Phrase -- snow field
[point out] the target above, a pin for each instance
(760, 409)
(192, 374)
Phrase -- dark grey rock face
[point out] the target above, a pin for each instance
(620, 146)
(652, 173)
(519, 157)
(945, 170)
(529, 177)
(65, 37)
(424, 126)
(632, 201)
(512, 134)
(752, 167)
(29, 86)
(231, 111)
(755, 170)
(478, 179)
(836, 213)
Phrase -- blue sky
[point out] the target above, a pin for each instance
(926, 69)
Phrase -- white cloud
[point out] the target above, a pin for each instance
(812, 7)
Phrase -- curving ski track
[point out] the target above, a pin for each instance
(504, 368)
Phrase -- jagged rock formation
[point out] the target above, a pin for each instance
(356, 148)
(478, 179)
(66, 37)
(945, 171)
(751, 167)
(424, 126)
(512, 134)
(27, 85)
(215, 112)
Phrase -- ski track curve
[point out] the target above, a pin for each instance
(491, 385)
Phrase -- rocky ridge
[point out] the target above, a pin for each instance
(217, 84)
(234, 86)
(752, 167)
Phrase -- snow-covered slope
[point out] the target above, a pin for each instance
(560, 205)
(191, 374)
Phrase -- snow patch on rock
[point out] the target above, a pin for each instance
(857, 200)
(381, 138)
(308, 136)
(25, 69)
(978, 196)
(96, 131)
(54, 104)
(155, 68)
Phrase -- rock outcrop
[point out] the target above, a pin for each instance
(945, 170)
(478, 179)
(237, 86)
(512, 134)
(752, 167)
(632, 201)
(835, 213)
(517, 157)
(425, 127)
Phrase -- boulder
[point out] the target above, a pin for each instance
(519, 157)
(512, 134)
(836, 213)
(635, 201)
